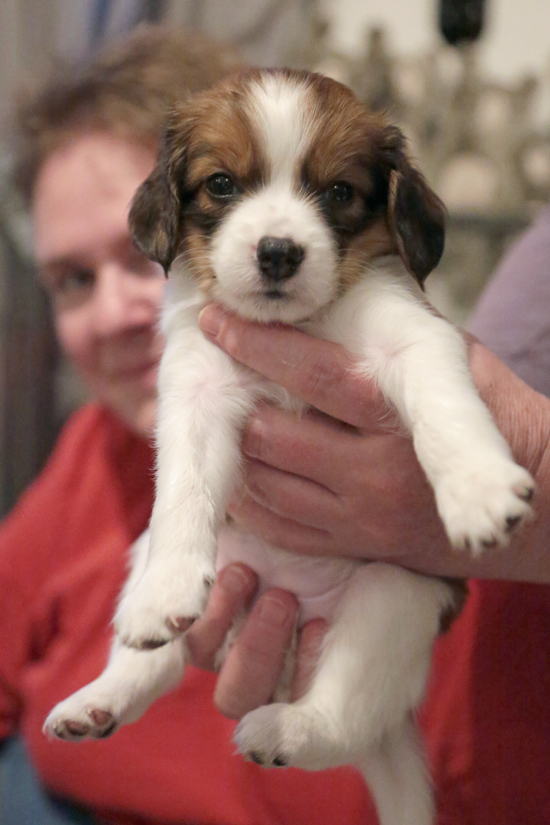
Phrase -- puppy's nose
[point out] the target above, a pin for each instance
(279, 258)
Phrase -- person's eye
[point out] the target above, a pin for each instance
(76, 280)
(68, 282)
(221, 186)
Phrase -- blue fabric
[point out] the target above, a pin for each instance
(110, 19)
(22, 799)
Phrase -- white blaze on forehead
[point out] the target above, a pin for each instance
(281, 110)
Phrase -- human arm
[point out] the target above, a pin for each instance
(511, 317)
(355, 488)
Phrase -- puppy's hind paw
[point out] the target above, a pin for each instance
(281, 735)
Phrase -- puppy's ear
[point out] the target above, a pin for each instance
(155, 214)
(416, 214)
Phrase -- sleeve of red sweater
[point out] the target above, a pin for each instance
(28, 538)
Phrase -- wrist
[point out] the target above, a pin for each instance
(521, 414)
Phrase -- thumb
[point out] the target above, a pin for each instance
(320, 373)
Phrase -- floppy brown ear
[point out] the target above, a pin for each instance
(156, 210)
(417, 220)
(154, 219)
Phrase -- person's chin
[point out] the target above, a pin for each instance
(138, 412)
(149, 379)
(139, 381)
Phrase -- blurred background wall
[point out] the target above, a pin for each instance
(477, 115)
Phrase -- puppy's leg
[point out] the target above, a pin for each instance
(398, 779)
(396, 774)
(420, 362)
(132, 680)
(204, 402)
(371, 673)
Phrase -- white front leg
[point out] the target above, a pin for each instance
(131, 681)
(420, 362)
(204, 402)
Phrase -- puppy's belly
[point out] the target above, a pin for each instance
(318, 583)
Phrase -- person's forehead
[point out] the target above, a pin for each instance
(84, 190)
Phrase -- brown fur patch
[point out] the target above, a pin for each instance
(219, 137)
(348, 140)
(373, 241)
(197, 250)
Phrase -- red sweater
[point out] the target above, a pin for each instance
(62, 564)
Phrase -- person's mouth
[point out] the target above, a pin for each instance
(138, 372)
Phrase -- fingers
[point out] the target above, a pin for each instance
(319, 372)
(280, 531)
(293, 497)
(307, 446)
(233, 590)
(255, 662)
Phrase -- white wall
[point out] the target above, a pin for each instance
(516, 39)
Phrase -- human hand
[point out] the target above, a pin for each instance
(351, 484)
(251, 671)
(346, 482)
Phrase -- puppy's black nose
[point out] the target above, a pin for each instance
(279, 258)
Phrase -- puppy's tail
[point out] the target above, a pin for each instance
(398, 779)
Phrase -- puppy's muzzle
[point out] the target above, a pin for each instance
(279, 258)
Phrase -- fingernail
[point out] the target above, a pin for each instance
(274, 612)
(252, 437)
(210, 320)
(235, 579)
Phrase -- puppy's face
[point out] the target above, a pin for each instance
(276, 188)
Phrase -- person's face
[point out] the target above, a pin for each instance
(105, 294)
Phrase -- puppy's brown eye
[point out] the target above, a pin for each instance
(221, 186)
(339, 192)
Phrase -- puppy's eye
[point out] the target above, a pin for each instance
(220, 186)
(339, 192)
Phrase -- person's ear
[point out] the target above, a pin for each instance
(156, 210)
(416, 215)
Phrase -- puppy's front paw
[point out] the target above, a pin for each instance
(162, 605)
(82, 717)
(483, 502)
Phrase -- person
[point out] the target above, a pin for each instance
(63, 550)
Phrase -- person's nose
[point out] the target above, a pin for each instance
(123, 302)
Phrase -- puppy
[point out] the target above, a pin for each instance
(280, 196)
